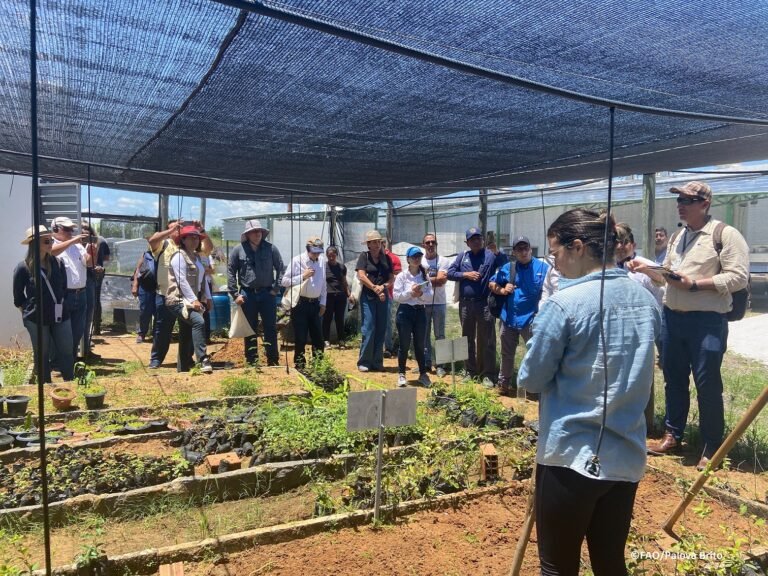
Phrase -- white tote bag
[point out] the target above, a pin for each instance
(291, 297)
(240, 327)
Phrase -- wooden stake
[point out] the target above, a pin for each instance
(752, 413)
(525, 535)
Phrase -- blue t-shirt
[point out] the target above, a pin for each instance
(521, 306)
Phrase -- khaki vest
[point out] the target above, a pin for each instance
(174, 295)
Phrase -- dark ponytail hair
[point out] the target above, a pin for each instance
(587, 226)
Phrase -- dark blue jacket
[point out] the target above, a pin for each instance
(484, 262)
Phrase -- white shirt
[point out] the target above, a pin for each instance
(435, 265)
(74, 263)
(178, 267)
(314, 286)
(551, 280)
(404, 282)
(644, 280)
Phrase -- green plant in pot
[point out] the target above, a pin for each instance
(62, 397)
(93, 392)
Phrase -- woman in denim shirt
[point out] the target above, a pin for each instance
(564, 363)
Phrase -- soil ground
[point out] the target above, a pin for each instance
(475, 538)
(478, 537)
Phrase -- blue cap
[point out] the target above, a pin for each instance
(414, 251)
(473, 232)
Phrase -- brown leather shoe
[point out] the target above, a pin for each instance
(668, 445)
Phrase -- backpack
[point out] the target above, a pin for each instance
(496, 302)
(740, 297)
(147, 272)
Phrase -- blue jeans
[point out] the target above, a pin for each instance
(375, 320)
(261, 303)
(694, 342)
(146, 311)
(161, 338)
(411, 321)
(58, 337)
(77, 304)
(190, 328)
(436, 320)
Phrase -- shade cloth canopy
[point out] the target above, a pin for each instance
(210, 98)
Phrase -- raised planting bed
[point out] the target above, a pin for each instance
(154, 510)
(76, 471)
(471, 532)
(470, 406)
(142, 410)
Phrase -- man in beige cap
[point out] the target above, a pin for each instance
(308, 271)
(706, 262)
(253, 281)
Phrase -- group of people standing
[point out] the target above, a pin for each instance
(71, 276)
(419, 296)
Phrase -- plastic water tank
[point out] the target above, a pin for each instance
(220, 317)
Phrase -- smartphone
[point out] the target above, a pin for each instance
(671, 275)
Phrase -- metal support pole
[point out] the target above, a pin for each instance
(332, 237)
(379, 456)
(390, 223)
(483, 218)
(202, 211)
(649, 251)
(39, 372)
(163, 211)
(649, 215)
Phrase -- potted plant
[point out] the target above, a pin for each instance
(17, 405)
(62, 397)
(92, 391)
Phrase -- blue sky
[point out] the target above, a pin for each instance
(127, 203)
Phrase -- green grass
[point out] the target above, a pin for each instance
(129, 367)
(244, 385)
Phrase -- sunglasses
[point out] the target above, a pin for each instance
(688, 200)
(46, 241)
(430, 243)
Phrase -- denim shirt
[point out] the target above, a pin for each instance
(523, 304)
(564, 363)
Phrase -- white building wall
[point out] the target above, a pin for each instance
(16, 192)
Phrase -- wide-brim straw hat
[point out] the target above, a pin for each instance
(252, 225)
(30, 234)
(372, 236)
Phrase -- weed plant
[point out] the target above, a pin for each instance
(240, 386)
